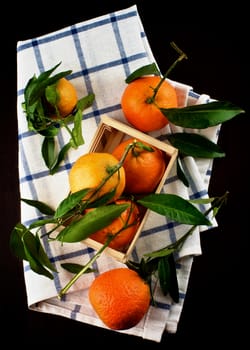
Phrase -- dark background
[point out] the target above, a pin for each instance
(216, 42)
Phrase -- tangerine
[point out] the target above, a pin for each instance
(120, 297)
(66, 98)
(94, 171)
(125, 226)
(141, 110)
(143, 168)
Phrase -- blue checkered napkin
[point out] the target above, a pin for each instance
(101, 53)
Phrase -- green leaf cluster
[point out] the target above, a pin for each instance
(39, 95)
(162, 262)
(75, 227)
(67, 219)
(27, 246)
(71, 226)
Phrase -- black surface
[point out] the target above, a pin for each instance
(216, 42)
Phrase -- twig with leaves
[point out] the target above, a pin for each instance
(75, 227)
(38, 94)
(199, 117)
(162, 262)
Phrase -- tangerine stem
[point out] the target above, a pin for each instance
(94, 258)
(113, 169)
(84, 269)
(182, 55)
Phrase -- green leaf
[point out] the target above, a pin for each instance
(39, 223)
(149, 69)
(43, 257)
(16, 244)
(51, 95)
(202, 200)
(164, 274)
(195, 145)
(36, 86)
(75, 268)
(36, 255)
(91, 222)
(175, 208)
(70, 202)
(168, 277)
(42, 207)
(180, 172)
(203, 115)
(28, 247)
(102, 200)
(48, 151)
(160, 253)
(51, 130)
(85, 101)
(173, 283)
(77, 138)
(60, 157)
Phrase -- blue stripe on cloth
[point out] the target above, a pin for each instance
(38, 56)
(75, 311)
(164, 306)
(167, 306)
(68, 31)
(120, 44)
(73, 254)
(84, 68)
(159, 228)
(97, 68)
(27, 171)
(171, 179)
(63, 257)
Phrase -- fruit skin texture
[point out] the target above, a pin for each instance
(90, 169)
(131, 216)
(120, 298)
(147, 116)
(67, 97)
(143, 169)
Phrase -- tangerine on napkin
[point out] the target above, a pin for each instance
(101, 52)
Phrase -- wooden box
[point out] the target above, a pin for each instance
(109, 134)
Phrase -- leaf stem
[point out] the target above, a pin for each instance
(176, 246)
(68, 129)
(85, 268)
(114, 169)
(216, 204)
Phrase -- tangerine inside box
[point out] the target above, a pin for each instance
(109, 134)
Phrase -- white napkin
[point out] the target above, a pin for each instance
(101, 53)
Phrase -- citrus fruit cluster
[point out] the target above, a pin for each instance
(120, 178)
(121, 296)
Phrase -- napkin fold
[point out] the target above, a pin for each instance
(101, 53)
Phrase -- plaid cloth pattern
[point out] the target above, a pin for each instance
(101, 53)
